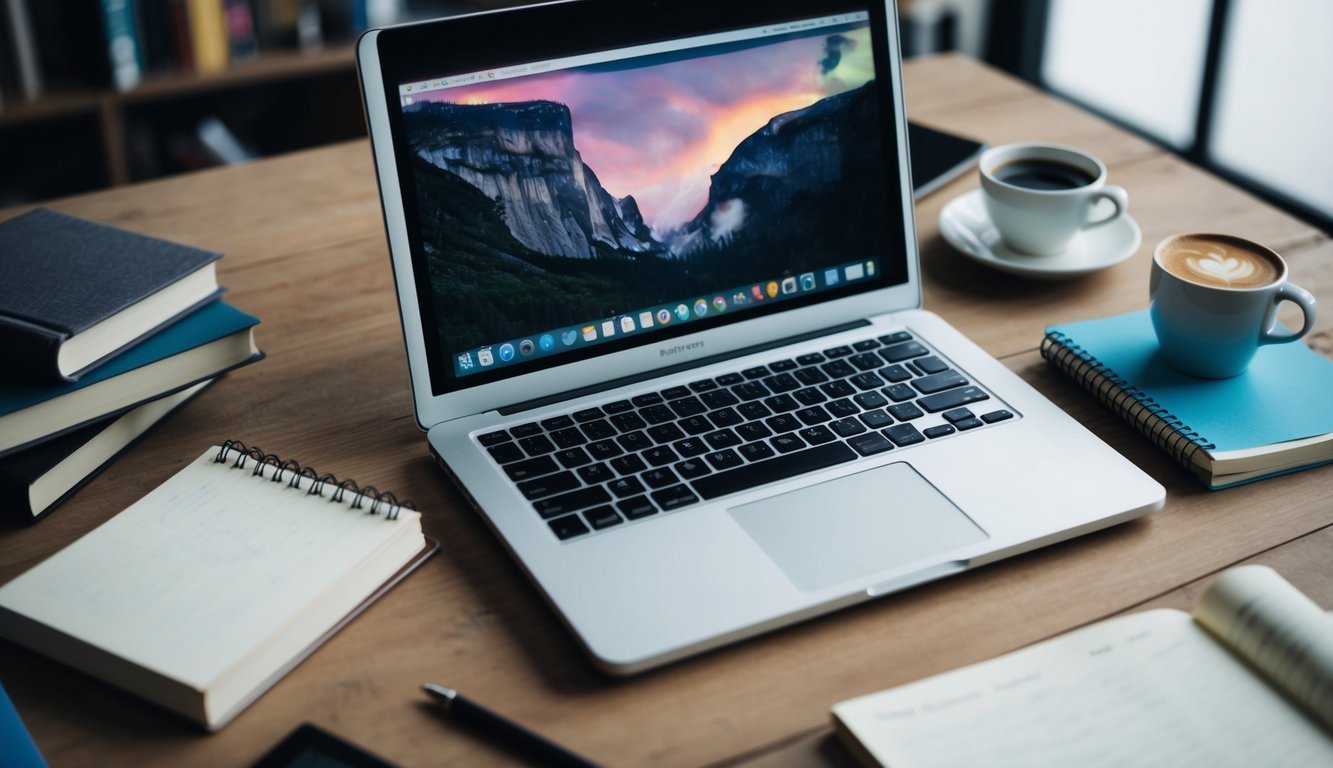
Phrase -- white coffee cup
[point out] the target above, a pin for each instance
(1214, 302)
(1039, 196)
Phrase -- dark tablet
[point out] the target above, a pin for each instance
(312, 747)
(938, 157)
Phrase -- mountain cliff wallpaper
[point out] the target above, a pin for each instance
(556, 199)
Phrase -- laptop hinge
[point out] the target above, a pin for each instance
(670, 369)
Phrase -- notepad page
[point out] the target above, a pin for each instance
(199, 572)
(1147, 689)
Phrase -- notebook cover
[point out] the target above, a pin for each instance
(1284, 395)
(64, 275)
(16, 746)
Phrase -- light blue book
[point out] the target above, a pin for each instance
(1275, 418)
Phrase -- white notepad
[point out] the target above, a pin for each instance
(210, 588)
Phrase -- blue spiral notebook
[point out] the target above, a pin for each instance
(1275, 418)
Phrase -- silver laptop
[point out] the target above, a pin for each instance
(658, 275)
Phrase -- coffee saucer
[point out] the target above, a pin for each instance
(965, 225)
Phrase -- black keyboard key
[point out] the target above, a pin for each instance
(660, 477)
(605, 449)
(628, 422)
(895, 374)
(703, 385)
(787, 442)
(817, 435)
(813, 415)
(903, 434)
(810, 376)
(871, 400)
(778, 366)
(865, 361)
(530, 468)
(847, 427)
(722, 438)
(596, 474)
(619, 406)
(994, 416)
(757, 451)
(876, 419)
(635, 508)
(866, 381)
(895, 338)
(674, 393)
(602, 517)
(628, 465)
(905, 411)
(526, 430)
(536, 446)
(647, 399)
(783, 382)
(505, 453)
(568, 527)
(783, 422)
(939, 431)
(588, 414)
(810, 359)
(665, 433)
(720, 398)
(931, 364)
(958, 414)
(730, 379)
(634, 441)
(721, 460)
(657, 414)
(938, 382)
(674, 497)
(572, 457)
(725, 417)
(952, 399)
(493, 438)
(757, 372)
(752, 411)
(772, 470)
(557, 422)
(838, 369)
(781, 403)
(659, 455)
(842, 408)
(900, 352)
(838, 352)
(625, 486)
(809, 396)
(548, 485)
(691, 446)
(969, 423)
(696, 425)
(598, 430)
(692, 468)
(750, 390)
(568, 438)
(865, 345)
(837, 389)
(687, 406)
(572, 501)
(870, 444)
(899, 393)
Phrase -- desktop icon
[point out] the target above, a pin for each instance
(645, 319)
(465, 361)
(608, 329)
(870, 268)
(506, 352)
(627, 324)
(757, 292)
(546, 342)
(682, 312)
(740, 299)
(700, 307)
(808, 281)
(526, 347)
(485, 357)
(854, 272)
(771, 289)
(590, 333)
(831, 277)
(719, 304)
(663, 316)
(788, 285)
(569, 337)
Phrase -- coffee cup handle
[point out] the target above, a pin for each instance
(1115, 194)
(1298, 296)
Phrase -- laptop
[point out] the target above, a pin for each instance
(657, 270)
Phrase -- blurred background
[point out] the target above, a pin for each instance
(98, 93)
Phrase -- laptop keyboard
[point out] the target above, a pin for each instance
(667, 449)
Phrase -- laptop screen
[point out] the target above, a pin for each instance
(574, 205)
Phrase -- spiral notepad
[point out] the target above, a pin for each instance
(205, 592)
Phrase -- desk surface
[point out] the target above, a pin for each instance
(305, 252)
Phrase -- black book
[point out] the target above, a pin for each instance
(76, 292)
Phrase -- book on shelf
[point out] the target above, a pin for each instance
(202, 345)
(209, 589)
(209, 41)
(1246, 679)
(1274, 418)
(36, 480)
(77, 292)
(124, 47)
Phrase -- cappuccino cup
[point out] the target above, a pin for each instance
(1214, 301)
(1039, 196)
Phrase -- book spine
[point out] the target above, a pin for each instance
(30, 351)
(208, 32)
(1128, 402)
(25, 51)
(123, 46)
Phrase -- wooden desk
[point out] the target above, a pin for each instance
(305, 252)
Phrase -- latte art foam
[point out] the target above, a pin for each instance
(1219, 262)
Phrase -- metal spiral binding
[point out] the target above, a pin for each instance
(1150, 418)
(360, 493)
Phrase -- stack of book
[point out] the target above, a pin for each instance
(103, 333)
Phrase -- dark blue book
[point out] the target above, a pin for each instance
(16, 746)
(1275, 418)
(202, 345)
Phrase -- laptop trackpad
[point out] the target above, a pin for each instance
(856, 525)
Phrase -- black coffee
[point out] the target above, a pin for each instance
(1042, 174)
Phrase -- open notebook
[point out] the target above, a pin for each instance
(205, 592)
